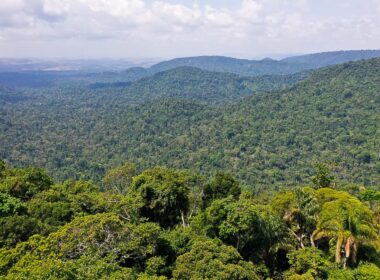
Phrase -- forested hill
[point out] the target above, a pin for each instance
(333, 116)
(196, 84)
(330, 58)
(277, 138)
(242, 67)
(268, 139)
(247, 67)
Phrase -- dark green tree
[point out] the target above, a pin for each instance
(323, 177)
(25, 183)
(212, 260)
(119, 178)
(164, 193)
(299, 209)
(309, 263)
(2, 168)
(221, 186)
(10, 205)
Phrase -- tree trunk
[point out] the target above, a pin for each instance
(299, 238)
(312, 240)
(344, 262)
(338, 257)
(350, 249)
(183, 220)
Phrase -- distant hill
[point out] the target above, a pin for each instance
(330, 58)
(28, 79)
(245, 67)
(59, 65)
(277, 138)
(196, 84)
(241, 67)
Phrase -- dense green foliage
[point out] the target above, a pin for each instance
(300, 199)
(166, 225)
(267, 139)
(212, 87)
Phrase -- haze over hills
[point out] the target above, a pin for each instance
(318, 60)
(265, 66)
(26, 73)
(59, 65)
(243, 67)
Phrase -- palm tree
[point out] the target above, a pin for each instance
(347, 221)
(299, 209)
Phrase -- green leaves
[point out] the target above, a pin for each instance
(102, 236)
(347, 221)
(164, 193)
(10, 205)
(252, 229)
(25, 183)
(119, 178)
(307, 261)
(270, 139)
(299, 209)
(160, 230)
(212, 260)
(323, 178)
(86, 267)
(221, 186)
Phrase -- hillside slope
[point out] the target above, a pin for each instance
(278, 138)
(334, 116)
(268, 138)
(196, 84)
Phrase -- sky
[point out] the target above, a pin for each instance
(165, 29)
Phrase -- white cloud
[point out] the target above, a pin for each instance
(250, 10)
(116, 8)
(55, 8)
(261, 24)
(178, 14)
(9, 6)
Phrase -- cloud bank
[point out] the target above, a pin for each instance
(137, 28)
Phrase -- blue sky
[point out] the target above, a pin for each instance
(172, 28)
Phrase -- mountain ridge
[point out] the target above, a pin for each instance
(266, 66)
(195, 83)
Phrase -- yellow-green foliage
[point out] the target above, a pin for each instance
(165, 226)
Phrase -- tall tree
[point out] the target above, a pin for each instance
(346, 221)
(299, 209)
(323, 177)
(221, 186)
(164, 193)
(119, 178)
